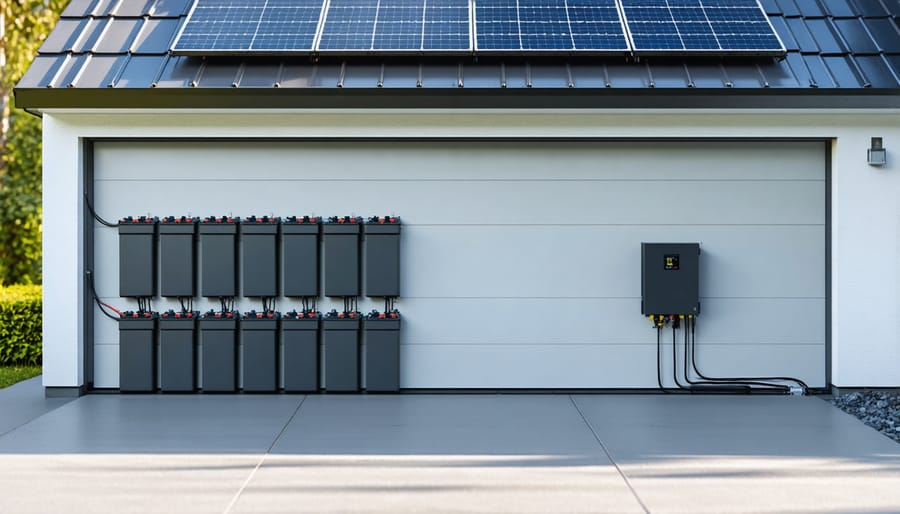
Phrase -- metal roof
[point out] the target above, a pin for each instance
(115, 54)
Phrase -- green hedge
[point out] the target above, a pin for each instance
(20, 325)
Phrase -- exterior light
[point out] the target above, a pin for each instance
(877, 155)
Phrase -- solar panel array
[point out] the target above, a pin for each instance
(641, 27)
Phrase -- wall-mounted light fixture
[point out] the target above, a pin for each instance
(877, 154)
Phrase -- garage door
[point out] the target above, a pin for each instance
(521, 260)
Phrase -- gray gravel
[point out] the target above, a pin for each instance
(879, 410)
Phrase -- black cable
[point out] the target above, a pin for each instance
(659, 360)
(97, 216)
(693, 323)
(97, 298)
(687, 375)
(675, 358)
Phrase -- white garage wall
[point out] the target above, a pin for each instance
(865, 324)
(521, 260)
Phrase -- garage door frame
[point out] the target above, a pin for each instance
(88, 221)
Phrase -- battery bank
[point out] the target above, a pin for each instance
(259, 256)
(300, 256)
(137, 257)
(177, 262)
(341, 340)
(218, 352)
(137, 353)
(340, 264)
(382, 257)
(300, 360)
(218, 256)
(382, 338)
(177, 352)
(259, 350)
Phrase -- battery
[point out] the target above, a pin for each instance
(259, 256)
(382, 258)
(137, 257)
(218, 353)
(137, 353)
(341, 258)
(341, 341)
(382, 338)
(177, 262)
(259, 350)
(218, 257)
(177, 352)
(300, 257)
(300, 360)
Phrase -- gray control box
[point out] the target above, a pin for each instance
(341, 259)
(670, 278)
(218, 352)
(218, 254)
(177, 353)
(177, 263)
(382, 338)
(382, 259)
(300, 259)
(300, 362)
(259, 258)
(137, 355)
(137, 259)
(259, 350)
(341, 341)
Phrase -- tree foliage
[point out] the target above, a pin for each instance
(25, 25)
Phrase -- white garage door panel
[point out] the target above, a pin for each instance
(507, 161)
(585, 366)
(496, 202)
(521, 261)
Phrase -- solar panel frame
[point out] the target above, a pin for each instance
(677, 39)
(481, 49)
(373, 49)
(232, 44)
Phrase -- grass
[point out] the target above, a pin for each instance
(9, 375)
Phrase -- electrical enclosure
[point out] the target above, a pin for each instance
(300, 259)
(177, 264)
(137, 259)
(177, 354)
(341, 341)
(341, 259)
(218, 271)
(137, 355)
(382, 259)
(218, 354)
(670, 278)
(382, 337)
(259, 261)
(259, 348)
(300, 339)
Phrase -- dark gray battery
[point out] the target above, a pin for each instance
(218, 259)
(382, 338)
(300, 362)
(382, 259)
(259, 257)
(259, 350)
(177, 263)
(341, 259)
(218, 352)
(137, 258)
(300, 258)
(177, 353)
(137, 354)
(341, 341)
(670, 278)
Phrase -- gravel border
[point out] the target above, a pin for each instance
(880, 410)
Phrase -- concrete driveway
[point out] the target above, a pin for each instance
(439, 453)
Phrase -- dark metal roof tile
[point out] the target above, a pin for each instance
(771, 7)
(118, 36)
(104, 7)
(622, 75)
(219, 74)
(842, 70)
(591, 76)
(856, 36)
(63, 36)
(133, 8)
(874, 8)
(99, 71)
(824, 34)
(789, 8)
(170, 8)
(744, 75)
(777, 73)
(90, 34)
(441, 75)
(78, 8)
(362, 75)
(878, 71)
(260, 74)
(800, 69)
(69, 70)
(886, 34)
(179, 71)
(802, 35)
(42, 70)
(546, 75)
(839, 8)
(820, 74)
(485, 76)
(781, 28)
(668, 74)
(400, 76)
(810, 9)
(141, 70)
(155, 36)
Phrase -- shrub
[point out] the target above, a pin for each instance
(20, 325)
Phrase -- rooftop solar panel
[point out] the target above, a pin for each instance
(719, 27)
(396, 26)
(551, 26)
(240, 26)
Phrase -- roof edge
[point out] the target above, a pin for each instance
(36, 99)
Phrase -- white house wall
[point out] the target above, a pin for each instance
(864, 231)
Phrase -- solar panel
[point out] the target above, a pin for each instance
(240, 26)
(398, 26)
(700, 27)
(548, 26)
